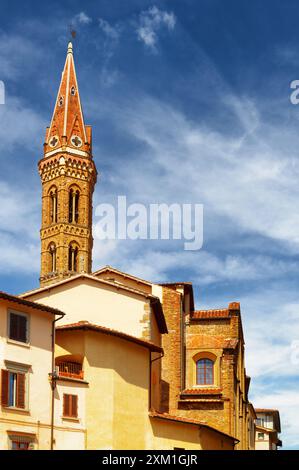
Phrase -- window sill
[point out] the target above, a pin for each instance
(14, 409)
(18, 343)
(69, 418)
(202, 391)
(199, 388)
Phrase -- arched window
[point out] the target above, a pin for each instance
(73, 257)
(53, 205)
(52, 250)
(204, 372)
(74, 205)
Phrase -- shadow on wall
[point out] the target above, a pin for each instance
(164, 396)
(201, 406)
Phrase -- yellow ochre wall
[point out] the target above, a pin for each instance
(169, 434)
(87, 299)
(117, 398)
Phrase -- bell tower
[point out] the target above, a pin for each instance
(68, 176)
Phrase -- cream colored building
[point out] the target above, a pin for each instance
(267, 428)
(111, 373)
(25, 362)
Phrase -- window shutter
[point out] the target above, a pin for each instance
(74, 406)
(18, 327)
(22, 333)
(13, 326)
(20, 402)
(66, 404)
(4, 387)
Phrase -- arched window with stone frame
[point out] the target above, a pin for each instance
(73, 257)
(74, 197)
(205, 370)
(53, 205)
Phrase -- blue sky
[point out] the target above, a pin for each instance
(189, 103)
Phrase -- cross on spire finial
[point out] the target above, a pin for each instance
(72, 31)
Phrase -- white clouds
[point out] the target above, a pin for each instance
(109, 76)
(15, 51)
(248, 178)
(19, 240)
(151, 22)
(81, 18)
(113, 32)
(20, 125)
(111, 38)
(19, 211)
(18, 255)
(203, 267)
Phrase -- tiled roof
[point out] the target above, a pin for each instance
(266, 410)
(122, 273)
(85, 325)
(28, 303)
(175, 283)
(202, 391)
(155, 301)
(215, 313)
(207, 314)
(86, 276)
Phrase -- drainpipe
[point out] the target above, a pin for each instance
(53, 378)
(182, 345)
(150, 376)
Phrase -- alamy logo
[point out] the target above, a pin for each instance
(2, 92)
(152, 222)
(294, 96)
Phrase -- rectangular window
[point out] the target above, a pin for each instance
(13, 389)
(18, 327)
(260, 422)
(70, 406)
(260, 436)
(20, 441)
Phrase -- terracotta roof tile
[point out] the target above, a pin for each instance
(202, 391)
(209, 314)
(85, 325)
(155, 301)
(29, 303)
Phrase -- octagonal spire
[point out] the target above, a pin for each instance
(67, 128)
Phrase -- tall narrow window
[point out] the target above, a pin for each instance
(73, 258)
(53, 204)
(13, 392)
(18, 327)
(74, 206)
(204, 372)
(52, 257)
(70, 406)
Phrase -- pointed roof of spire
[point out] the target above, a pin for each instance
(67, 126)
